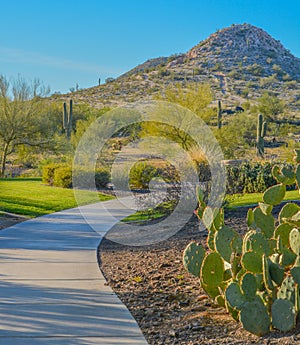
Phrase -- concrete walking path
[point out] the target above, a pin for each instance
(51, 288)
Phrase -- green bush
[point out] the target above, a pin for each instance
(102, 178)
(48, 173)
(141, 174)
(251, 177)
(63, 177)
(60, 175)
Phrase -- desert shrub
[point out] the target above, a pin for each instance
(251, 177)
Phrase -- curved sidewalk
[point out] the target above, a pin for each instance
(51, 288)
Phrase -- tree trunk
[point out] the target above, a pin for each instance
(3, 159)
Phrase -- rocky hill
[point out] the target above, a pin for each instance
(239, 62)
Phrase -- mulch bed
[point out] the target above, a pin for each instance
(167, 302)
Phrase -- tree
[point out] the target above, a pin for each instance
(237, 136)
(193, 97)
(24, 120)
(272, 108)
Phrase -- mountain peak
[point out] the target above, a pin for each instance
(245, 37)
(239, 62)
(245, 44)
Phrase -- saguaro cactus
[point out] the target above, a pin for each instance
(261, 132)
(67, 119)
(219, 114)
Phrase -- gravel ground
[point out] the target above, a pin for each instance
(6, 221)
(168, 303)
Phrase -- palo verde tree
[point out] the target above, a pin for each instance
(271, 107)
(275, 110)
(193, 97)
(24, 120)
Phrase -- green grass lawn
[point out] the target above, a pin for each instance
(159, 211)
(232, 201)
(237, 200)
(30, 197)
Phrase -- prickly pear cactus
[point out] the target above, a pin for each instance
(255, 277)
(193, 257)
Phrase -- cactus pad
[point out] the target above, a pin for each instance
(266, 208)
(220, 300)
(259, 244)
(260, 281)
(285, 175)
(246, 240)
(218, 220)
(287, 290)
(283, 315)
(295, 271)
(232, 311)
(234, 296)
(212, 270)
(250, 217)
(223, 239)
(249, 286)
(193, 257)
(235, 262)
(295, 241)
(276, 272)
(211, 238)
(295, 220)
(283, 230)
(274, 195)
(297, 155)
(265, 223)
(252, 262)
(266, 274)
(236, 245)
(208, 217)
(289, 174)
(200, 194)
(212, 291)
(288, 211)
(287, 258)
(255, 318)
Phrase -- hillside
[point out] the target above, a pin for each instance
(239, 62)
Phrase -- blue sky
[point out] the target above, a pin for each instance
(64, 42)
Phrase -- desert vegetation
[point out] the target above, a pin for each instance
(249, 99)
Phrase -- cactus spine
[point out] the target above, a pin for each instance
(67, 119)
(219, 114)
(261, 132)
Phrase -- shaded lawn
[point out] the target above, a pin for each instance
(32, 198)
